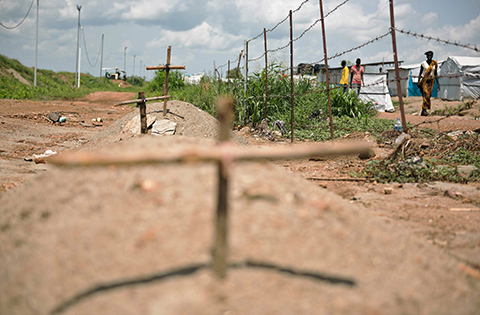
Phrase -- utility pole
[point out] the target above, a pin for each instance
(79, 60)
(101, 59)
(133, 73)
(36, 53)
(125, 60)
(141, 68)
(79, 7)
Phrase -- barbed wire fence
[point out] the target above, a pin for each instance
(391, 31)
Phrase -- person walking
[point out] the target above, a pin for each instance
(429, 67)
(344, 79)
(356, 76)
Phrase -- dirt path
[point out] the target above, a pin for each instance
(296, 247)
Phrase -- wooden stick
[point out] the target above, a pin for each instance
(165, 67)
(155, 98)
(220, 249)
(165, 87)
(143, 113)
(207, 155)
(346, 179)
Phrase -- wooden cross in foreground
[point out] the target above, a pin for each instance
(167, 68)
(224, 155)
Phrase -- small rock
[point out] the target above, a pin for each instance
(424, 145)
(388, 190)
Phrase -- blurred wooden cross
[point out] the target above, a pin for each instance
(224, 155)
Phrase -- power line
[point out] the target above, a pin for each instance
(86, 52)
(13, 27)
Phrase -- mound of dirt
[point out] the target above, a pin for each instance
(128, 240)
(191, 122)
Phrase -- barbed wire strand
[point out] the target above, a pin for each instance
(447, 42)
(301, 35)
(279, 23)
(336, 55)
(86, 51)
(13, 27)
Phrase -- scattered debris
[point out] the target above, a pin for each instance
(281, 126)
(453, 194)
(388, 190)
(39, 158)
(56, 117)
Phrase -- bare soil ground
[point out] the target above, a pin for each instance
(137, 240)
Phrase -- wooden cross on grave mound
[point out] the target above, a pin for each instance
(141, 101)
(224, 155)
(167, 67)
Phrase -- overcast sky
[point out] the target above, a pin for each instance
(203, 31)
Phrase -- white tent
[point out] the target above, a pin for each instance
(408, 75)
(376, 90)
(459, 78)
(193, 78)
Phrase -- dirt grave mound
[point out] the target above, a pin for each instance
(129, 240)
(191, 122)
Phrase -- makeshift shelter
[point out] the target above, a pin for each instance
(460, 78)
(376, 91)
(408, 81)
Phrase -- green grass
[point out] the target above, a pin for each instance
(50, 85)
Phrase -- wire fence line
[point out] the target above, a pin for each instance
(437, 39)
(13, 27)
(86, 51)
(301, 35)
(279, 23)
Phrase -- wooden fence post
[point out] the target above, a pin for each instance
(220, 251)
(143, 112)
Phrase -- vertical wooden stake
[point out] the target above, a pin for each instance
(266, 73)
(326, 69)
(165, 89)
(228, 73)
(143, 113)
(291, 72)
(220, 250)
(397, 72)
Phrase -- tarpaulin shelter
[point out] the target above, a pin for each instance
(460, 78)
(376, 91)
(408, 81)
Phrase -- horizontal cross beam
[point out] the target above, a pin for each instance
(215, 154)
(166, 67)
(155, 98)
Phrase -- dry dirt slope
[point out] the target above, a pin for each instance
(103, 241)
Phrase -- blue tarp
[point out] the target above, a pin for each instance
(413, 89)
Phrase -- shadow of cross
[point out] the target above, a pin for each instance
(167, 68)
(224, 155)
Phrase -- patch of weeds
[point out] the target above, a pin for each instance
(403, 172)
(453, 110)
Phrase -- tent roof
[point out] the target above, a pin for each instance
(466, 61)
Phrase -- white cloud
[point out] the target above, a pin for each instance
(203, 37)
